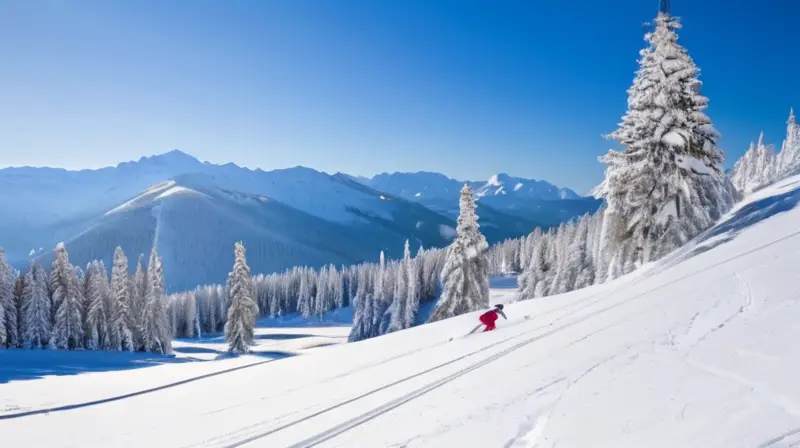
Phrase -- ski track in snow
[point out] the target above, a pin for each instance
(380, 410)
(789, 439)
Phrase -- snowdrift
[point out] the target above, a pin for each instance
(698, 350)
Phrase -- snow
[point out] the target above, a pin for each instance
(696, 350)
(674, 139)
(174, 191)
(143, 197)
(692, 163)
(519, 185)
(447, 231)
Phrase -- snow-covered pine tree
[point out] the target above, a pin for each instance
(383, 290)
(412, 294)
(666, 185)
(9, 324)
(564, 237)
(545, 262)
(323, 300)
(756, 168)
(788, 160)
(577, 260)
(123, 319)
(155, 324)
(339, 282)
(766, 161)
(139, 300)
(19, 299)
(362, 315)
(99, 315)
(38, 327)
(304, 295)
(68, 327)
(243, 310)
(526, 282)
(400, 302)
(465, 276)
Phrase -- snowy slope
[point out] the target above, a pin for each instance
(698, 350)
(41, 206)
(195, 223)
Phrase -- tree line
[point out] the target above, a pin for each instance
(761, 165)
(71, 308)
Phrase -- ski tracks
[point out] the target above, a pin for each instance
(433, 385)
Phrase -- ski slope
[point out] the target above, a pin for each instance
(697, 350)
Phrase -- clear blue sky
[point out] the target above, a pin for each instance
(464, 87)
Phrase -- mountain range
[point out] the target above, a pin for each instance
(194, 211)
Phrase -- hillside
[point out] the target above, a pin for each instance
(195, 211)
(696, 350)
(194, 224)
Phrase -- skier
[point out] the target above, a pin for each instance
(490, 316)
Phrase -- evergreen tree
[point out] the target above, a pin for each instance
(239, 328)
(304, 295)
(9, 329)
(465, 275)
(362, 316)
(68, 328)
(577, 260)
(38, 328)
(99, 316)
(19, 299)
(139, 300)
(666, 185)
(412, 295)
(155, 324)
(123, 319)
(756, 168)
(532, 275)
(788, 160)
(400, 302)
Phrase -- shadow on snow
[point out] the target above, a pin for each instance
(269, 354)
(748, 216)
(18, 364)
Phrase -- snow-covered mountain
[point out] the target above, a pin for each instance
(698, 350)
(194, 211)
(530, 199)
(195, 218)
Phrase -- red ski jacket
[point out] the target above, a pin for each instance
(490, 316)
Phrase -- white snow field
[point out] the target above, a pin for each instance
(698, 350)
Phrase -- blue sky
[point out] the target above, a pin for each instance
(467, 88)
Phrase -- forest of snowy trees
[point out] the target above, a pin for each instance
(761, 166)
(74, 309)
(372, 288)
(664, 187)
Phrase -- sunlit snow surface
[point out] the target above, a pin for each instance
(697, 350)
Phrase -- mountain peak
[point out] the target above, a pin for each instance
(176, 155)
(499, 179)
(175, 159)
